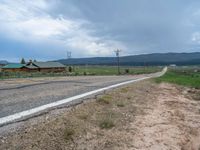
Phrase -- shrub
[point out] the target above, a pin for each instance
(70, 69)
(127, 71)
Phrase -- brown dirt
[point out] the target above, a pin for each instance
(144, 116)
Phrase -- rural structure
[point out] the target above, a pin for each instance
(35, 67)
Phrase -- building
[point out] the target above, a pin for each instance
(14, 68)
(3, 63)
(35, 67)
(47, 66)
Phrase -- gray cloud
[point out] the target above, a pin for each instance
(96, 28)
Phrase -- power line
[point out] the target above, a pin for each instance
(117, 55)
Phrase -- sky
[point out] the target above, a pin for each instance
(47, 29)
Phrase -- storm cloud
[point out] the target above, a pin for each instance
(46, 29)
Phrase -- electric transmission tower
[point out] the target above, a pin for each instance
(69, 54)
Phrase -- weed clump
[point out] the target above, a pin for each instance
(120, 104)
(68, 133)
(105, 99)
(106, 124)
(107, 121)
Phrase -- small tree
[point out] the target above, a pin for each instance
(127, 71)
(70, 69)
(23, 61)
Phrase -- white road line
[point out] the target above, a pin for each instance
(23, 114)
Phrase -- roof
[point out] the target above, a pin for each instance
(13, 66)
(31, 67)
(48, 64)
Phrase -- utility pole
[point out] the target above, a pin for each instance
(117, 55)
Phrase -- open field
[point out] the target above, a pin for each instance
(83, 70)
(145, 116)
(112, 70)
(182, 76)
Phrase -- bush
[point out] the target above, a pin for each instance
(127, 71)
(70, 69)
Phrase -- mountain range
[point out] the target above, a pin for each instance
(139, 60)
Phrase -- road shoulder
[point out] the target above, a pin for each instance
(142, 115)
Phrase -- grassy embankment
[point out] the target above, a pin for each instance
(83, 70)
(186, 77)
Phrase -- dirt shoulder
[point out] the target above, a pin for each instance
(142, 115)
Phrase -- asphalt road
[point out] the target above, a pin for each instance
(18, 95)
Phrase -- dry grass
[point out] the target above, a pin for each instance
(105, 99)
(106, 124)
(68, 133)
(103, 123)
(120, 104)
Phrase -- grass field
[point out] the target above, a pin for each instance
(84, 70)
(182, 76)
(112, 70)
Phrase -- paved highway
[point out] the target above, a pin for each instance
(18, 95)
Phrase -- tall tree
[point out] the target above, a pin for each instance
(23, 61)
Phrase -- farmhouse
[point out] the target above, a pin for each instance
(34, 67)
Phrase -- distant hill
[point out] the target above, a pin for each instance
(139, 60)
(3, 62)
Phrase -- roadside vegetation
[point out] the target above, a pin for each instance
(82, 71)
(183, 76)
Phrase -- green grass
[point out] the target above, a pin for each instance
(185, 77)
(112, 70)
(82, 70)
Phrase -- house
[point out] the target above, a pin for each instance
(47, 66)
(14, 68)
(35, 66)
(3, 63)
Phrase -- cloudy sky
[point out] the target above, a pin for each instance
(47, 29)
